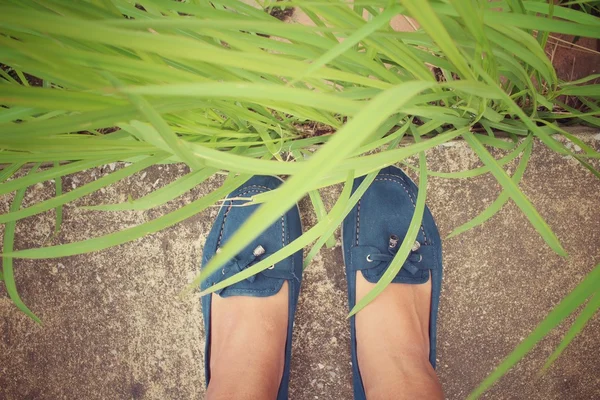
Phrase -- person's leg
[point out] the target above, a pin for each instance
(248, 324)
(392, 337)
(248, 346)
(393, 353)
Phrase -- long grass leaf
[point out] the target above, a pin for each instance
(318, 206)
(131, 234)
(490, 211)
(162, 195)
(350, 41)
(252, 92)
(470, 173)
(581, 321)
(82, 191)
(515, 193)
(309, 236)
(52, 173)
(59, 209)
(341, 145)
(422, 11)
(567, 305)
(9, 171)
(336, 216)
(7, 262)
(331, 220)
(163, 130)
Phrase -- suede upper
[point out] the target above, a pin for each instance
(371, 235)
(266, 283)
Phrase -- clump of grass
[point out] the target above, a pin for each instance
(228, 88)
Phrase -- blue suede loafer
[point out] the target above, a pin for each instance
(267, 283)
(371, 236)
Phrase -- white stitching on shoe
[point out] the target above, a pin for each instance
(223, 224)
(248, 190)
(357, 221)
(282, 231)
(396, 180)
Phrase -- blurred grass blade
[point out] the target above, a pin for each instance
(470, 173)
(318, 206)
(497, 205)
(131, 234)
(331, 220)
(336, 218)
(59, 209)
(163, 130)
(341, 145)
(425, 15)
(581, 321)
(7, 262)
(515, 193)
(309, 236)
(269, 94)
(587, 90)
(317, 202)
(543, 24)
(162, 195)
(9, 171)
(83, 190)
(495, 142)
(321, 212)
(568, 305)
(358, 35)
(316, 231)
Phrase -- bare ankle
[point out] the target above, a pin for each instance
(240, 389)
(247, 353)
(392, 335)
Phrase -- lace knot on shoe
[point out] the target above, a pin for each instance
(240, 263)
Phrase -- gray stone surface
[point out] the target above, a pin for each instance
(115, 328)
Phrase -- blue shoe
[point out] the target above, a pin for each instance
(371, 236)
(266, 283)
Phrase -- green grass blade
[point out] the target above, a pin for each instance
(252, 92)
(588, 166)
(470, 173)
(321, 212)
(83, 190)
(163, 130)
(352, 40)
(7, 262)
(298, 244)
(332, 219)
(568, 305)
(315, 232)
(59, 209)
(339, 146)
(543, 24)
(497, 205)
(583, 318)
(585, 90)
(515, 193)
(131, 234)
(9, 171)
(495, 142)
(336, 218)
(405, 247)
(422, 11)
(53, 99)
(52, 173)
(317, 202)
(162, 195)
